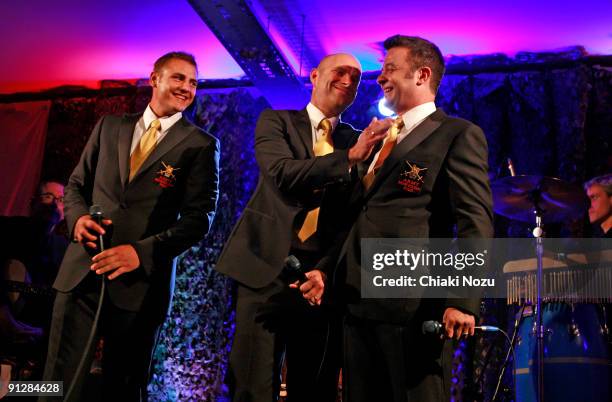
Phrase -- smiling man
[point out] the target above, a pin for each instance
(428, 180)
(305, 159)
(155, 177)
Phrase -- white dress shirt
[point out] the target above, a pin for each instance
(315, 116)
(145, 121)
(411, 118)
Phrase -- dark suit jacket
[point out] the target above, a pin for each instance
(455, 192)
(290, 181)
(160, 222)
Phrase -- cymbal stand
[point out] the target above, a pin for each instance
(538, 233)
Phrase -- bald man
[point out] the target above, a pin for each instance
(306, 160)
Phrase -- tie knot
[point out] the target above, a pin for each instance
(398, 123)
(155, 124)
(325, 125)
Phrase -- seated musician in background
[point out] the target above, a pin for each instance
(599, 191)
(32, 249)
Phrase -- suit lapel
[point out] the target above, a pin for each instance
(175, 135)
(416, 136)
(124, 142)
(302, 125)
(343, 135)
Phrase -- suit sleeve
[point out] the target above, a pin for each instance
(78, 191)
(196, 212)
(294, 176)
(470, 195)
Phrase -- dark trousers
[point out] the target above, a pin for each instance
(129, 340)
(393, 363)
(276, 320)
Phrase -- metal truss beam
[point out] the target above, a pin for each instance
(237, 28)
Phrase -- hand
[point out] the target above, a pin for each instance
(5, 377)
(120, 259)
(457, 323)
(312, 289)
(86, 229)
(371, 135)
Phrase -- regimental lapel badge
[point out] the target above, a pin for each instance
(411, 179)
(165, 177)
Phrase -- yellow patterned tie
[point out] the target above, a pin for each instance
(323, 146)
(389, 143)
(147, 144)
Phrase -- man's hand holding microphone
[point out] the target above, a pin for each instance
(89, 231)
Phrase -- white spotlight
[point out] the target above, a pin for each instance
(383, 109)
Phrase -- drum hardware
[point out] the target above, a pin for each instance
(547, 200)
(573, 328)
(604, 327)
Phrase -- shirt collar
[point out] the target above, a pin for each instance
(417, 114)
(166, 122)
(315, 115)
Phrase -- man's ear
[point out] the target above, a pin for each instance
(153, 78)
(314, 74)
(424, 75)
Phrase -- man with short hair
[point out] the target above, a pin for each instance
(155, 177)
(50, 193)
(599, 191)
(305, 159)
(429, 179)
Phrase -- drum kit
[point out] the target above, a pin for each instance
(562, 350)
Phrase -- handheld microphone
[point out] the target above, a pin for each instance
(435, 328)
(293, 267)
(95, 211)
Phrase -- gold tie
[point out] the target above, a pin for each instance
(147, 144)
(323, 146)
(388, 144)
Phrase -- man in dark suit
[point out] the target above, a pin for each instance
(429, 179)
(305, 159)
(155, 176)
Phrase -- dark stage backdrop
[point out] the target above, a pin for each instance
(550, 121)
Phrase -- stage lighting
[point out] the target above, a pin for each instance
(383, 109)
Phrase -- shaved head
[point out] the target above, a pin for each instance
(334, 83)
(339, 59)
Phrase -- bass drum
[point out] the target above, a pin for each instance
(576, 357)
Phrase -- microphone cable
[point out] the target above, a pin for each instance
(511, 341)
(96, 212)
(503, 370)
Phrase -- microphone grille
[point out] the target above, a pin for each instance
(431, 327)
(292, 262)
(95, 210)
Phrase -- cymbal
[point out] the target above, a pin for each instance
(517, 197)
